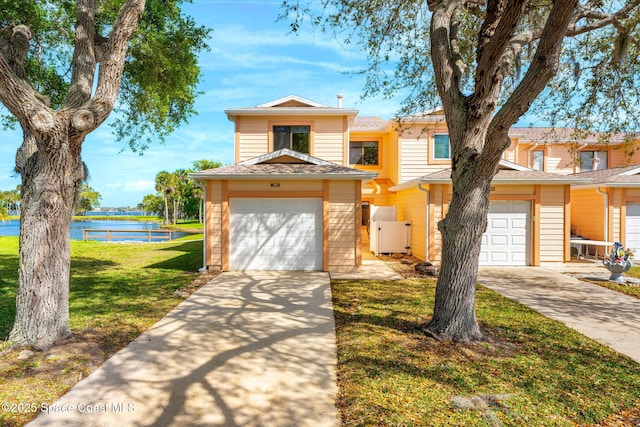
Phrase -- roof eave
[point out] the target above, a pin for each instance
(290, 111)
(514, 181)
(288, 177)
(611, 185)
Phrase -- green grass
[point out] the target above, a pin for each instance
(539, 372)
(126, 283)
(116, 292)
(634, 272)
(633, 291)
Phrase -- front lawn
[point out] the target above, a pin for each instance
(531, 372)
(117, 291)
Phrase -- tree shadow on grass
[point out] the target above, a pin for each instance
(189, 261)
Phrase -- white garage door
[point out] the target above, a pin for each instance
(506, 240)
(275, 234)
(633, 229)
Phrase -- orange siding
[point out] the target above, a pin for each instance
(412, 206)
(342, 225)
(213, 220)
(588, 214)
(552, 224)
(329, 139)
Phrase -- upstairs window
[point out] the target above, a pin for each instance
(537, 160)
(294, 138)
(363, 153)
(441, 147)
(593, 160)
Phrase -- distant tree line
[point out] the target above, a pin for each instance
(178, 197)
(88, 200)
(9, 202)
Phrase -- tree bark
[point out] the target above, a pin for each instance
(50, 183)
(454, 315)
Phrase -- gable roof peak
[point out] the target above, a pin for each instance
(285, 155)
(292, 101)
(507, 165)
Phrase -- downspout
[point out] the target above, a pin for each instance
(426, 248)
(606, 213)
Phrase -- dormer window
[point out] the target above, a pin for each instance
(292, 137)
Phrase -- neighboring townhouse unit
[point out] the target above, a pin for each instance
(308, 176)
(608, 207)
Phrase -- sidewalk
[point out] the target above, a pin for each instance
(248, 349)
(609, 317)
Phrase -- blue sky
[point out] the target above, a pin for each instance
(253, 60)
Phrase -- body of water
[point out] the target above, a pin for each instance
(12, 227)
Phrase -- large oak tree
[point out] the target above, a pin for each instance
(65, 66)
(486, 62)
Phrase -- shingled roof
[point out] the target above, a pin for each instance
(284, 164)
(566, 136)
(627, 176)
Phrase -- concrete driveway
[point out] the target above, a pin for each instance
(609, 317)
(248, 349)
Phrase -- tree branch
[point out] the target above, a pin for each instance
(496, 33)
(84, 59)
(16, 93)
(447, 76)
(542, 69)
(602, 19)
(112, 65)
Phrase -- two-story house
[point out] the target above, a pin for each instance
(306, 176)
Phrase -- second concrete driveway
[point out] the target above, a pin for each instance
(248, 349)
(609, 317)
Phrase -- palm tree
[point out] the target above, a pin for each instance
(198, 190)
(163, 186)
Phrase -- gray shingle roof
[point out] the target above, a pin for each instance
(566, 135)
(284, 164)
(620, 176)
(369, 123)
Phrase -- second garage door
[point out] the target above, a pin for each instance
(506, 241)
(633, 228)
(275, 234)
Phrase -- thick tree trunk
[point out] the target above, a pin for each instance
(50, 181)
(454, 315)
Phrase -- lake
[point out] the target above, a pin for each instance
(12, 227)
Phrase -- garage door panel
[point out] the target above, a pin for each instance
(499, 257)
(499, 223)
(499, 240)
(275, 234)
(518, 224)
(518, 240)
